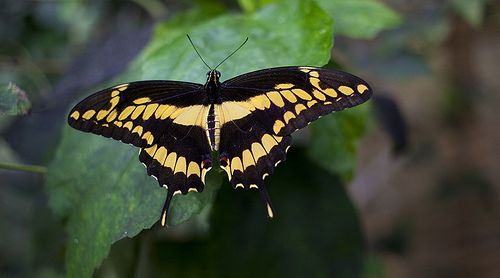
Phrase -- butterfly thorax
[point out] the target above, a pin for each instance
(212, 87)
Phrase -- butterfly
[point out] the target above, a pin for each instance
(248, 120)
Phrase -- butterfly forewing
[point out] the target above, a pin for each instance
(288, 98)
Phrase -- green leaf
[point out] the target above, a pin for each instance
(105, 194)
(253, 5)
(13, 100)
(471, 10)
(334, 141)
(362, 19)
(100, 187)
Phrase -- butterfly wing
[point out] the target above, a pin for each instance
(164, 118)
(261, 109)
(288, 98)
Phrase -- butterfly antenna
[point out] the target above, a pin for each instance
(189, 38)
(232, 53)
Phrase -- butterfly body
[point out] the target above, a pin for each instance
(247, 119)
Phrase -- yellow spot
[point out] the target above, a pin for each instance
(260, 102)
(258, 151)
(283, 86)
(101, 114)
(118, 123)
(227, 169)
(330, 92)
(170, 161)
(121, 87)
(126, 112)
(247, 105)
(138, 111)
(105, 125)
(164, 218)
(276, 98)
(317, 94)
(327, 103)
(270, 212)
(193, 169)
(150, 109)
(114, 101)
(315, 82)
(314, 74)
(112, 116)
(346, 90)
(203, 173)
(148, 136)
(160, 155)
(278, 125)
(168, 111)
(240, 185)
(236, 165)
(115, 93)
(268, 142)
(311, 103)
(305, 69)
(190, 115)
(180, 167)
(128, 125)
(231, 111)
(302, 94)
(289, 96)
(75, 115)
(138, 129)
(89, 114)
(299, 108)
(142, 100)
(151, 150)
(161, 108)
(247, 159)
(361, 88)
(192, 189)
(277, 138)
(265, 176)
(177, 192)
(288, 116)
(253, 186)
(180, 111)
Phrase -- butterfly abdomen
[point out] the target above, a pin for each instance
(213, 128)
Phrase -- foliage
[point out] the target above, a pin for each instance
(103, 193)
(13, 100)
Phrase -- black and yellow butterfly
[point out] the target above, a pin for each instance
(248, 120)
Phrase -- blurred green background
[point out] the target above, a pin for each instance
(406, 185)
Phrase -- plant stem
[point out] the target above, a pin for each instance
(26, 168)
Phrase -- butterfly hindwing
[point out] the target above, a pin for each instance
(179, 163)
(288, 98)
(248, 154)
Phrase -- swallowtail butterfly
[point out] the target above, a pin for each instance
(247, 119)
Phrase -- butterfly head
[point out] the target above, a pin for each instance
(213, 76)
